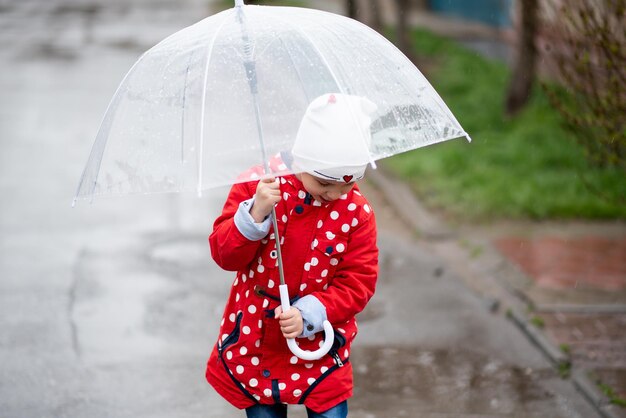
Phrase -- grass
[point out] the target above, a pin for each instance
(527, 167)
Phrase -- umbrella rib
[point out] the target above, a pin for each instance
(203, 107)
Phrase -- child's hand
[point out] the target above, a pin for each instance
(290, 322)
(267, 195)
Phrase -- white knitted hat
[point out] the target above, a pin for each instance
(334, 137)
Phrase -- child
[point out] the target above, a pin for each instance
(328, 241)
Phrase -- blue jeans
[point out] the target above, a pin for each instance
(280, 411)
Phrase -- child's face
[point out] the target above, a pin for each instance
(324, 191)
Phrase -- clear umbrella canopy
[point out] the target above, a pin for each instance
(227, 93)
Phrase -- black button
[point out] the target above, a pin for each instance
(310, 327)
(329, 249)
(299, 209)
(266, 373)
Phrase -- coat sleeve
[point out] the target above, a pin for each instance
(354, 282)
(229, 248)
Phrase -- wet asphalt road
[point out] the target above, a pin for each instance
(110, 309)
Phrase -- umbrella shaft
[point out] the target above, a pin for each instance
(281, 273)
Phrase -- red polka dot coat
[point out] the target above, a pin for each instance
(330, 252)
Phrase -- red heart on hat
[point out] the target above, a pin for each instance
(347, 178)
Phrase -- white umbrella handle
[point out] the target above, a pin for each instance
(291, 342)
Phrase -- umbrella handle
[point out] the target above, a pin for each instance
(291, 342)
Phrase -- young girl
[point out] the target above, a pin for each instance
(328, 243)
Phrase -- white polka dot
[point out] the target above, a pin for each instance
(320, 280)
(319, 224)
(324, 369)
(229, 355)
(334, 215)
(260, 269)
(284, 218)
(257, 397)
(272, 236)
(254, 361)
(351, 206)
(251, 273)
(222, 323)
(282, 181)
(260, 323)
(266, 303)
(310, 380)
(295, 376)
(264, 241)
(366, 208)
(314, 243)
(325, 287)
(236, 282)
(343, 331)
(358, 193)
(246, 330)
(285, 196)
(345, 227)
(302, 287)
(293, 360)
(340, 248)
(270, 284)
(267, 392)
(309, 365)
(237, 297)
(282, 386)
(232, 317)
(253, 383)
(316, 203)
(334, 261)
(260, 260)
(244, 278)
(314, 261)
(243, 351)
(257, 343)
(247, 293)
(343, 197)
(324, 273)
(239, 369)
(355, 222)
(330, 235)
(252, 309)
(307, 266)
(224, 337)
(297, 392)
(346, 352)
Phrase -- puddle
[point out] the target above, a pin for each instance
(408, 379)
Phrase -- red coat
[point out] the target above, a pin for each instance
(328, 251)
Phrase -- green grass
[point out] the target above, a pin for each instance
(524, 167)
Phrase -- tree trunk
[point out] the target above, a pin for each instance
(375, 12)
(351, 6)
(402, 33)
(523, 73)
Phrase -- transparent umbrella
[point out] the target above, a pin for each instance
(228, 93)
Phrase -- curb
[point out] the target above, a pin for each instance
(594, 396)
(558, 358)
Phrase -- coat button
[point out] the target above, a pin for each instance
(310, 327)
(266, 373)
(299, 209)
(329, 249)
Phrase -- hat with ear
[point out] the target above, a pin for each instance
(334, 138)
